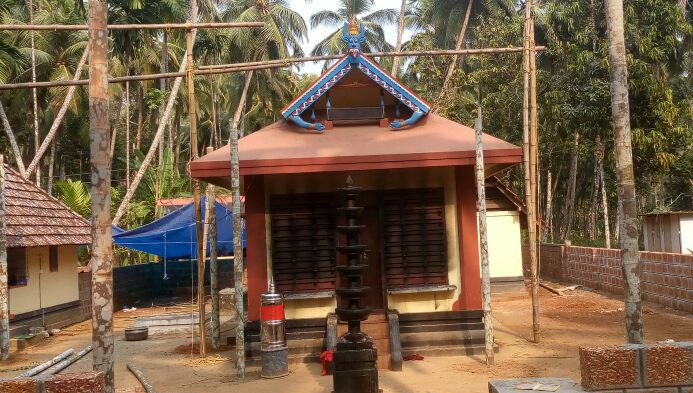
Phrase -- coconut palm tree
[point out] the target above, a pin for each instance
(348, 10)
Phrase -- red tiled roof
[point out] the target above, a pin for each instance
(34, 218)
(223, 199)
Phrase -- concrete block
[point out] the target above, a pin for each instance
(686, 389)
(610, 367)
(653, 390)
(87, 382)
(22, 385)
(668, 365)
(508, 385)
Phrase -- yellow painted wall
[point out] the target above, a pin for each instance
(56, 287)
(504, 244)
(376, 180)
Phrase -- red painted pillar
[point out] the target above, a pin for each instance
(256, 248)
(467, 230)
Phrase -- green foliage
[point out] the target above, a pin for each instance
(75, 195)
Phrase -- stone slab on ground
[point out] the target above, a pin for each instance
(566, 385)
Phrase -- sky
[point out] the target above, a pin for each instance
(306, 9)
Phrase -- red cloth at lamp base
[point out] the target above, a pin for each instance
(326, 358)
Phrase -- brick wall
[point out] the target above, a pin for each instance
(85, 382)
(666, 278)
(145, 281)
(652, 368)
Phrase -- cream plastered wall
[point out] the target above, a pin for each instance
(56, 287)
(376, 180)
(504, 244)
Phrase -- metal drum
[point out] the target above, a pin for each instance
(275, 352)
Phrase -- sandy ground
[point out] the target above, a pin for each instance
(569, 321)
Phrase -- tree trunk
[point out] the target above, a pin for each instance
(4, 289)
(241, 103)
(51, 164)
(594, 205)
(460, 44)
(52, 132)
(37, 140)
(569, 205)
(13, 141)
(127, 135)
(155, 142)
(483, 237)
(211, 218)
(400, 32)
(548, 230)
(214, 114)
(238, 265)
(140, 117)
(620, 111)
(164, 60)
(605, 200)
(102, 243)
(114, 132)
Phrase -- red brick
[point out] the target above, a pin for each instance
(87, 382)
(668, 365)
(610, 367)
(23, 385)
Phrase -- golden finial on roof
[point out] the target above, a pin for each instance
(353, 27)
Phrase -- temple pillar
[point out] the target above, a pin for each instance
(256, 248)
(467, 230)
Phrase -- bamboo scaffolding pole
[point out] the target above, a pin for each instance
(144, 26)
(192, 117)
(258, 65)
(528, 119)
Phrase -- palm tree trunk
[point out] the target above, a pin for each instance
(51, 164)
(37, 140)
(127, 134)
(620, 112)
(59, 118)
(569, 205)
(460, 44)
(594, 205)
(238, 259)
(114, 132)
(102, 243)
(241, 104)
(4, 289)
(400, 32)
(211, 218)
(483, 237)
(155, 142)
(140, 117)
(13, 141)
(605, 201)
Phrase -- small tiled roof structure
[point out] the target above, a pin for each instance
(36, 219)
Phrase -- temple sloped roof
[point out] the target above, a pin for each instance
(35, 218)
(287, 148)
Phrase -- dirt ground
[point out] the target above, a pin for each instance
(569, 321)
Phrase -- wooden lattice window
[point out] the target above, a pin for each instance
(303, 241)
(414, 240)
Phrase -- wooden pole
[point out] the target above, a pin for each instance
(143, 26)
(242, 67)
(238, 265)
(37, 140)
(148, 387)
(192, 117)
(127, 136)
(534, 169)
(527, 159)
(13, 141)
(102, 242)
(211, 219)
(620, 113)
(4, 290)
(52, 132)
(483, 236)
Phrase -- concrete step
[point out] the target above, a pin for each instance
(448, 350)
(440, 327)
(452, 338)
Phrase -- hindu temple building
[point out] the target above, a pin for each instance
(420, 216)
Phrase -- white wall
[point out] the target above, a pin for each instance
(504, 244)
(686, 227)
(55, 287)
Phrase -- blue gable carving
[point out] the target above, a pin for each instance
(350, 62)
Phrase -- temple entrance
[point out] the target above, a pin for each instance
(373, 277)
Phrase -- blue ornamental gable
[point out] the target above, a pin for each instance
(352, 61)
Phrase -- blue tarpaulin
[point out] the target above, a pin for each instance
(173, 236)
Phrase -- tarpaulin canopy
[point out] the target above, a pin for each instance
(173, 236)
